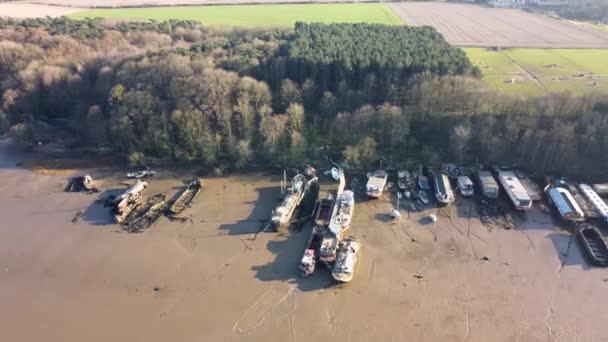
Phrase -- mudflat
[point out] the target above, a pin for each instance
(217, 278)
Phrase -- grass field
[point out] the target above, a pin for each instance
(597, 26)
(541, 71)
(256, 15)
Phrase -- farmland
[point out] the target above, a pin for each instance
(478, 26)
(23, 10)
(256, 15)
(541, 71)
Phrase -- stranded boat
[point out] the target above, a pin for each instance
(465, 185)
(595, 246)
(342, 218)
(375, 183)
(123, 205)
(327, 251)
(346, 260)
(404, 179)
(488, 184)
(309, 259)
(565, 204)
(324, 210)
(516, 191)
(292, 197)
(144, 216)
(186, 197)
(597, 202)
(423, 183)
(443, 189)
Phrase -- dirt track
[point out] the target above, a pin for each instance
(472, 25)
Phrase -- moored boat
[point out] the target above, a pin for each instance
(594, 244)
(324, 210)
(327, 251)
(404, 180)
(291, 199)
(376, 183)
(347, 259)
(123, 204)
(311, 253)
(186, 197)
(443, 190)
(515, 190)
(340, 222)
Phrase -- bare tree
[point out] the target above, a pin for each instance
(459, 139)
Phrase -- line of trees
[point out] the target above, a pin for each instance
(180, 91)
(588, 10)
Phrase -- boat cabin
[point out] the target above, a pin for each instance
(488, 185)
(515, 190)
(597, 202)
(565, 204)
(465, 185)
(375, 183)
(443, 189)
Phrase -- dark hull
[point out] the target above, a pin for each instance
(324, 210)
(144, 216)
(186, 197)
(595, 246)
(314, 243)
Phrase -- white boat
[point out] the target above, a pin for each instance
(376, 183)
(292, 197)
(597, 202)
(443, 189)
(141, 174)
(327, 251)
(343, 217)
(335, 173)
(395, 213)
(123, 204)
(515, 190)
(465, 185)
(347, 259)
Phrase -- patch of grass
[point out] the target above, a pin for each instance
(256, 15)
(597, 26)
(542, 71)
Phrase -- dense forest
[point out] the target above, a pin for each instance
(178, 91)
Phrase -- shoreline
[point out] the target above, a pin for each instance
(214, 278)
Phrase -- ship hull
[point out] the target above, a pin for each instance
(345, 273)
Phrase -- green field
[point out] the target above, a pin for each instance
(542, 71)
(256, 15)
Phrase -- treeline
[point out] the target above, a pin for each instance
(180, 91)
(586, 10)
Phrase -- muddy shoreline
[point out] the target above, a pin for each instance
(216, 278)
